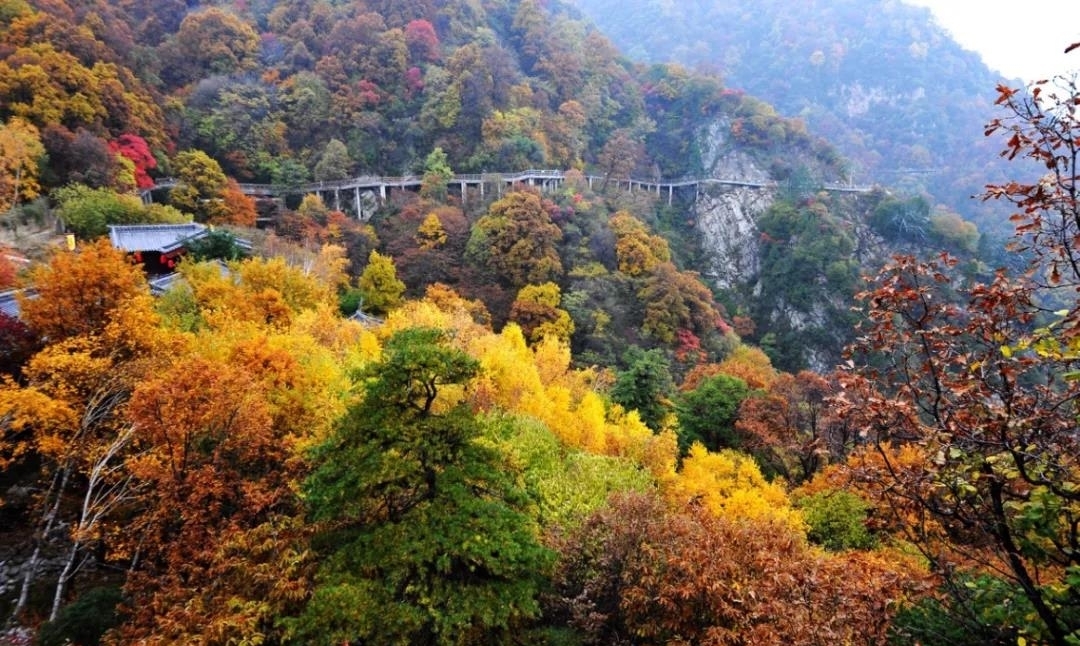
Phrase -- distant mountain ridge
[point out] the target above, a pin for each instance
(877, 78)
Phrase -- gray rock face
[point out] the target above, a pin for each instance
(726, 218)
(720, 157)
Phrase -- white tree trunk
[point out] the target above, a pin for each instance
(103, 493)
(48, 520)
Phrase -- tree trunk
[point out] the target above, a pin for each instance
(57, 490)
(65, 576)
(100, 498)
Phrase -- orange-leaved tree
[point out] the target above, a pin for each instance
(69, 410)
(215, 468)
(639, 572)
(791, 428)
(80, 293)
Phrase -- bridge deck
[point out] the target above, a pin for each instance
(381, 183)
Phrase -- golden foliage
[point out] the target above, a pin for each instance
(749, 364)
(729, 484)
(20, 152)
(638, 251)
(431, 234)
(81, 292)
(536, 310)
(31, 420)
(267, 293)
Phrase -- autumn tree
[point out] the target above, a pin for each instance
(677, 300)
(517, 240)
(536, 310)
(135, 149)
(200, 185)
(431, 234)
(791, 428)
(48, 86)
(639, 572)
(212, 41)
(637, 250)
(421, 532)
(380, 285)
(95, 281)
(620, 155)
(69, 410)
(422, 41)
(978, 377)
(236, 207)
(206, 441)
(21, 152)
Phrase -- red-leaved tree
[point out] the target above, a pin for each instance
(981, 377)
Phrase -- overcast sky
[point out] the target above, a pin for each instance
(1018, 39)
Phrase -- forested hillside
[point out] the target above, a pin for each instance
(877, 78)
(266, 88)
(501, 413)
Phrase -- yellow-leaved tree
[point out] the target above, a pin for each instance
(536, 310)
(93, 310)
(730, 485)
(20, 151)
(380, 285)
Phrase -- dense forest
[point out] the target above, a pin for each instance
(879, 79)
(517, 414)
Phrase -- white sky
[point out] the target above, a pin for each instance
(1018, 39)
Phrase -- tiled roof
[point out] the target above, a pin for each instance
(162, 284)
(154, 237)
(9, 304)
(366, 320)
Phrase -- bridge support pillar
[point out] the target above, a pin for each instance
(356, 198)
(464, 192)
(337, 200)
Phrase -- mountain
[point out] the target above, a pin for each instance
(287, 93)
(115, 95)
(264, 88)
(516, 353)
(879, 79)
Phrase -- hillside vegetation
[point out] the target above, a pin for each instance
(880, 79)
(515, 416)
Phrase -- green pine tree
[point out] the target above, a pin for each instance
(423, 539)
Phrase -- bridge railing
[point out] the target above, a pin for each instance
(381, 182)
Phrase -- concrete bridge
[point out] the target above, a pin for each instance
(367, 191)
